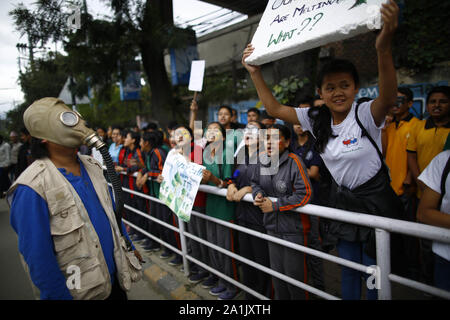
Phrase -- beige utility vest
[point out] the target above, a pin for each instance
(76, 243)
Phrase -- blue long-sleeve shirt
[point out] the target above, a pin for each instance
(35, 240)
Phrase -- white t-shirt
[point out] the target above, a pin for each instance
(431, 176)
(351, 159)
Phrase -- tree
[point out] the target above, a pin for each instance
(45, 79)
(422, 37)
(150, 24)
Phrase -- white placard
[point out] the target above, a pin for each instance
(180, 185)
(197, 73)
(288, 27)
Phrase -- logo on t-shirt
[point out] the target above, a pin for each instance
(350, 142)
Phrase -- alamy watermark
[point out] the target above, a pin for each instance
(373, 281)
(74, 280)
(74, 20)
(231, 148)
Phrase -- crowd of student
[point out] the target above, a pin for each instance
(409, 145)
(368, 156)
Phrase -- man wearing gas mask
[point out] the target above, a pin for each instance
(64, 215)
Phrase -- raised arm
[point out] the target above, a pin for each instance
(273, 107)
(193, 115)
(387, 78)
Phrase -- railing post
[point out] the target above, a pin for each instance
(383, 244)
(181, 226)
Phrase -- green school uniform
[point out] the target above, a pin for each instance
(218, 206)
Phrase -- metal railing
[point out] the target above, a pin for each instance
(383, 228)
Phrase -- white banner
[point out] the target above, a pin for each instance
(180, 185)
(288, 27)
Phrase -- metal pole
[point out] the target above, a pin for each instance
(183, 246)
(383, 271)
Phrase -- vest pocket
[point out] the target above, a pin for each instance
(91, 274)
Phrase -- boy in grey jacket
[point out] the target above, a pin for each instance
(290, 185)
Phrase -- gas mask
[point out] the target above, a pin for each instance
(52, 120)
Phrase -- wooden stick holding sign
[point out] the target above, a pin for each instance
(196, 84)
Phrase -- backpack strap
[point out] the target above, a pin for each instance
(365, 133)
(443, 180)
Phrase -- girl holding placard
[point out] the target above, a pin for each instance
(348, 137)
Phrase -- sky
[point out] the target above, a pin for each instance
(10, 92)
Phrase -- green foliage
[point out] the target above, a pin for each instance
(221, 87)
(422, 38)
(45, 79)
(286, 90)
(112, 112)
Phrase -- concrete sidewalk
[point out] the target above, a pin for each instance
(171, 280)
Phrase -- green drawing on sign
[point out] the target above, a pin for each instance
(317, 20)
(307, 19)
(357, 3)
(281, 37)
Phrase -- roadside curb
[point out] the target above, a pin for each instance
(170, 280)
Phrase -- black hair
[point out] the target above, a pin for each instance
(38, 149)
(439, 89)
(153, 138)
(172, 125)
(306, 100)
(337, 66)
(134, 135)
(321, 125)
(103, 128)
(284, 130)
(187, 128)
(321, 116)
(25, 131)
(407, 92)
(261, 125)
(221, 128)
(151, 126)
(123, 133)
(265, 115)
(254, 110)
(226, 107)
(117, 127)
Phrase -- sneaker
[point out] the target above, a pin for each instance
(227, 295)
(193, 269)
(217, 290)
(139, 238)
(165, 254)
(176, 261)
(154, 246)
(196, 278)
(150, 246)
(210, 282)
(133, 236)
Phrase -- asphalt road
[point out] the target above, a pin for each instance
(15, 283)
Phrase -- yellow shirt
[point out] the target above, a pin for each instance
(397, 135)
(427, 141)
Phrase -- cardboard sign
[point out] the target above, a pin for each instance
(180, 185)
(197, 73)
(288, 27)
